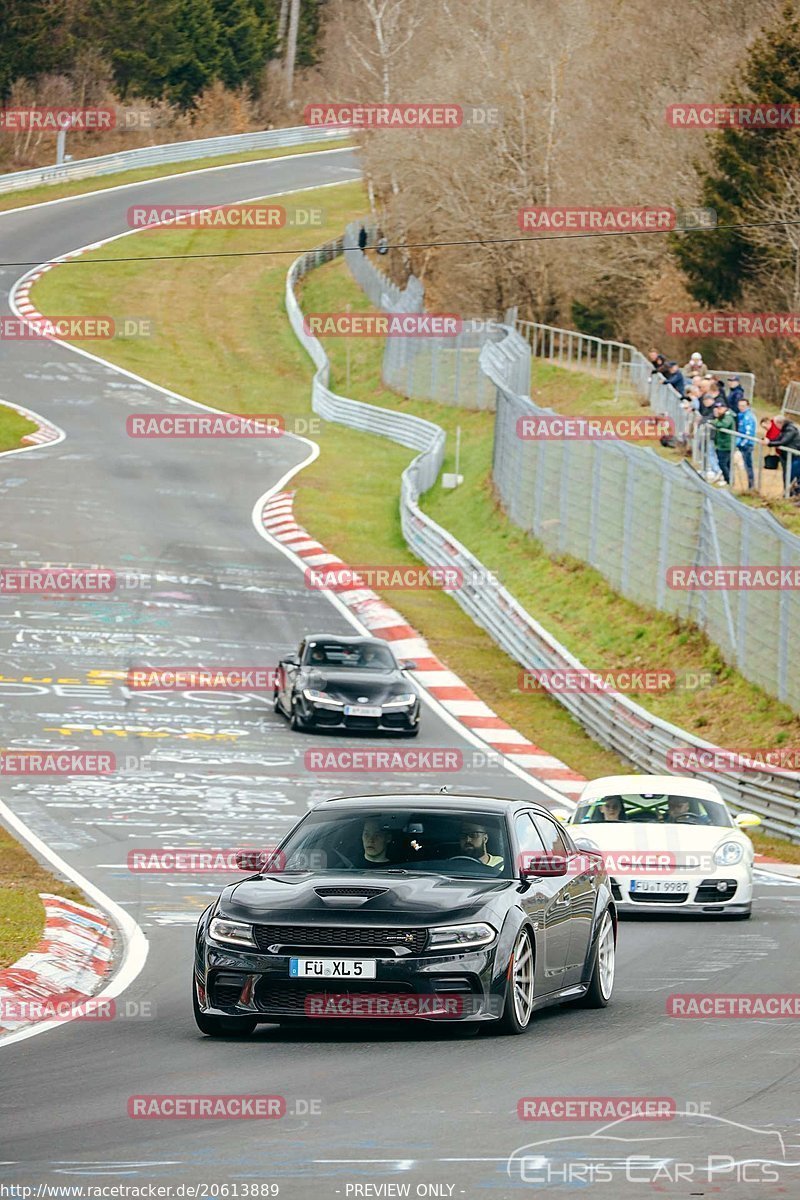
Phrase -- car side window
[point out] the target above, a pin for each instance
(528, 836)
(551, 836)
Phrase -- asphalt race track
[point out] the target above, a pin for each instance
(430, 1109)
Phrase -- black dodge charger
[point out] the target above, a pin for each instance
(347, 683)
(433, 907)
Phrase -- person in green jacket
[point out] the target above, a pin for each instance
(724, 423)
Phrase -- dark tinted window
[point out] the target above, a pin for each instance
(551, 835)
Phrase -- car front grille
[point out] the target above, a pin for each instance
(289, 998)
(337, 936)
(659, 897)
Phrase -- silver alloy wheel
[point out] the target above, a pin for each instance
(522, 978)
(606, 957)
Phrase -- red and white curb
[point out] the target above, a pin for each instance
(443, 684)
(65, 969)
(44, 433)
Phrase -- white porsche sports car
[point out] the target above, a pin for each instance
(670, 844)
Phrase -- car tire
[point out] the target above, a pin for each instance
(276, 703)
(220, 1026)
(518, 1006)
(296, 722)
(601, 984)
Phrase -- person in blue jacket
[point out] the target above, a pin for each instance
(746, 424)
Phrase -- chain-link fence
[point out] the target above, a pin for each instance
(634, 516)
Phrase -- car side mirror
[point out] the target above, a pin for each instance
(561, 815)
(291, 660)
(747, 820)
(250, 860)
(407, 664)
(535, 864)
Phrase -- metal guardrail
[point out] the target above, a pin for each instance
(171, 152)
(611, 718)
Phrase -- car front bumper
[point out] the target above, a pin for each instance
(391, 720)
(458, 986)
(704, 894)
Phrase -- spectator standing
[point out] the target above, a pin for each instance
(735, 394)
(695, 365)
(674, 377)
(362, 239)
(724, 424)
(788, 439)
(706, 421)
(382, 244)
(747, 428)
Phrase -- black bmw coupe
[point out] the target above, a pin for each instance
(434, 907)
(346, 683)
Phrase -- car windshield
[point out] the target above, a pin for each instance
(362, 656)
(653, 809)
(459, 844)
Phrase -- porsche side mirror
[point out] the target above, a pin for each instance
(747, 820)
(407, 664)
(561, 814)
(537, 865)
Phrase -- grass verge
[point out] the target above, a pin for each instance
(22, 878)
(13, 428)
(99, 183)
(247, 360)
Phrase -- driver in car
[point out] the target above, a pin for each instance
(318, 655)
(369, 656)
(611, 809)
(678, 810)
(376, 842)
(474, 844)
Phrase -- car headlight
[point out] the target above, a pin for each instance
(320, 697)
(236, 933)
(460, 937)
(403, 701)
(728, 854)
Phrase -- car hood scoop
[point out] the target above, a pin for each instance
(347, 897)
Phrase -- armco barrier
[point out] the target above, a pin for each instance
(612, 719)
(172, 152)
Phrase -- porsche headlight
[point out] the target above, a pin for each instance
(728, 854)
(460, 937)
(234, 933)
(320, 697)
(403, 701)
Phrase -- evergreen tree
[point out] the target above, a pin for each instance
(719, 264)
(196, 51)
(244, 41)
